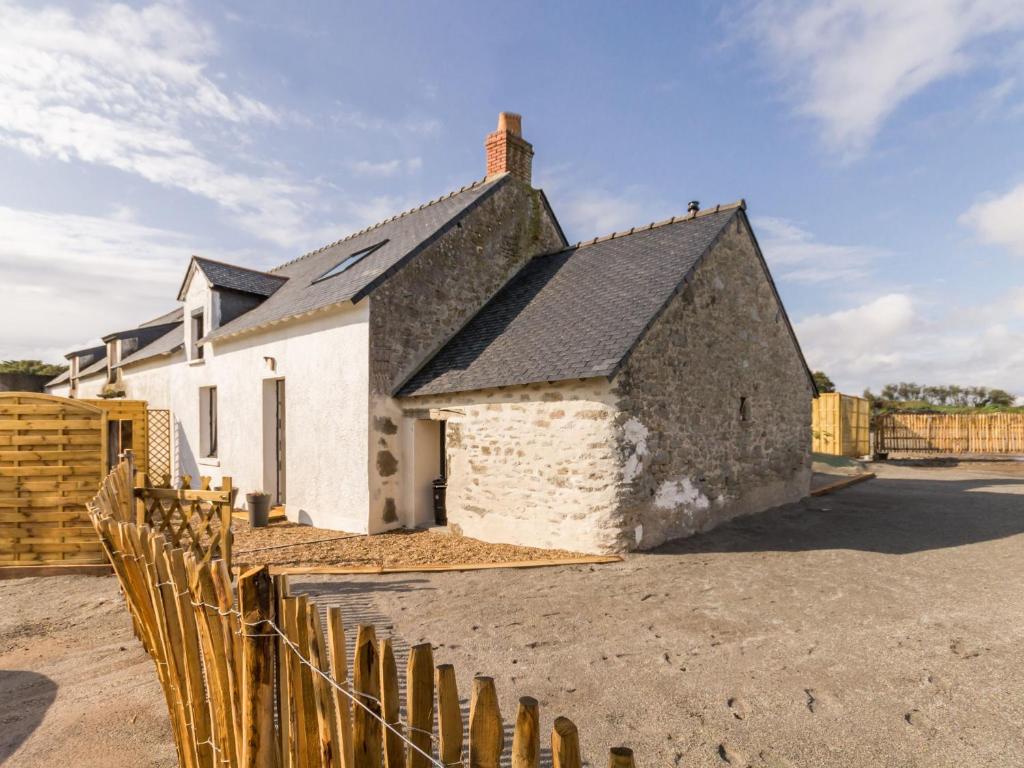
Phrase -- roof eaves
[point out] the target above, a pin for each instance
(133, 332)
(86, 351)
(216, 336)
(136, 357)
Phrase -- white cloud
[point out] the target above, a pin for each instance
(850, 63)
(69, 279)
(127, 89)
(386, 168)
(405, 126)
(895, 338)
(795, 255)
(586, 209)
(1000, 221)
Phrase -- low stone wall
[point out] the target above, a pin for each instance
(536, 465)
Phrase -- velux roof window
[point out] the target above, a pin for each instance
(348, 261)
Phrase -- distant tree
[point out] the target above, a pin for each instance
(942, 395)
(1001, 398)
(823, 382)
(31, 366)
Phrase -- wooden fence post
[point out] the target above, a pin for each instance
(449, 717)
(621, 757)
(394, 746)
(366, 680)
(419, 707)
(256, 601)
(526, 739)
(565, 744)
(339, 667)
(330, 749)
(486, 735)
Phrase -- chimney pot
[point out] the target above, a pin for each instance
(507, 151)
(511, 122)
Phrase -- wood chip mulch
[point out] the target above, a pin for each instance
(321, 547)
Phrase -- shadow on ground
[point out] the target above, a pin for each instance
(887, 516)
(24, 699)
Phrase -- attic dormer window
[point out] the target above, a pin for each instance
(348, 261)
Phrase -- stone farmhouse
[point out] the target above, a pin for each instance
(604, 396)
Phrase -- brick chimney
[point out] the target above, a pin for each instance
(507, 151)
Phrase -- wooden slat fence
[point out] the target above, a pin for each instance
(840, 425)
(950, 433)
(52, 460)
(255, 676)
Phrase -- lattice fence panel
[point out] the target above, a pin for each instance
(159, 443)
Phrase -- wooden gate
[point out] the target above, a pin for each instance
(127, 430)
(52, 461)
(840, 425)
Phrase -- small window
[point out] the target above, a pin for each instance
(208, 422)
(744, 409)
(198, 331)
(348, 261)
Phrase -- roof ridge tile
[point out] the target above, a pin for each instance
(741, 204)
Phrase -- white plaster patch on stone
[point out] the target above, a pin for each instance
(639, 533)
(719, 285)
(634, 434)
(673, 494)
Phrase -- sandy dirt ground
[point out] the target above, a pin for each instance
(878, 626)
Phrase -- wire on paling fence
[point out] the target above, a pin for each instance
(332, 682)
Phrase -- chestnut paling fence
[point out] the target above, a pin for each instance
(950, 433)
(251, 678)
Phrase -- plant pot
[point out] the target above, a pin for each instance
(259, 509)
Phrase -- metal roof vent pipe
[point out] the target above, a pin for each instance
(693, 207)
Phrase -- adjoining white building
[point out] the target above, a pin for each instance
(606, 396)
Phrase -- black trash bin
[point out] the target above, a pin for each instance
(440, 513)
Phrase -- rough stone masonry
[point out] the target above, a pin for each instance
(708, 419)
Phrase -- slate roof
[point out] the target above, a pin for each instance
(169, 342)
(60, 378)
(174, 316)
(96, 367)
(89, 352)
(573, 314)
(402, 237)
(235, 278)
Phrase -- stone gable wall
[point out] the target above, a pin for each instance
(690, 459)
(431, 298)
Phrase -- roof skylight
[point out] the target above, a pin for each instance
(349, 261)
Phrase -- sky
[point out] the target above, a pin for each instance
(877, 145)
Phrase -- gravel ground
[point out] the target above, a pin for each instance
(879, 626)
(317, 546)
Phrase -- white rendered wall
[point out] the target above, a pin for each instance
(324, 362)
(90, 388)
